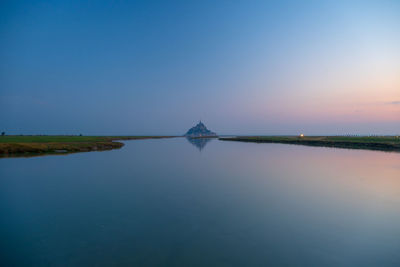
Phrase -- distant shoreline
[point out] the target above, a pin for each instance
(384, 143)
(40, 145)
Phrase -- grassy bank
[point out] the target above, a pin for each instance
(15, 146)
(384, 143)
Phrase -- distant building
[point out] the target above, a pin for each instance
(200, 130)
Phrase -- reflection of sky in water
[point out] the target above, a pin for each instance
(200, 143)
(160, 202)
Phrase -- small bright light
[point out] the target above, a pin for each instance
(301, 135)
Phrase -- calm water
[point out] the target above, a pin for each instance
(172, 203)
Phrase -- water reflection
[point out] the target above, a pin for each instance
(200, 143)
(162, 203)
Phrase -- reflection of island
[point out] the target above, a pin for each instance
(199, 135)
(200, 143)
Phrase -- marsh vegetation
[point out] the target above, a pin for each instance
(383, 143)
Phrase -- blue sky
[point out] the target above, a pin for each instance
(157, 67)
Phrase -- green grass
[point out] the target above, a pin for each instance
(26, 145)
(360, 139)
(383, 143)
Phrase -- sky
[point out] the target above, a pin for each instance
(158, 67)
